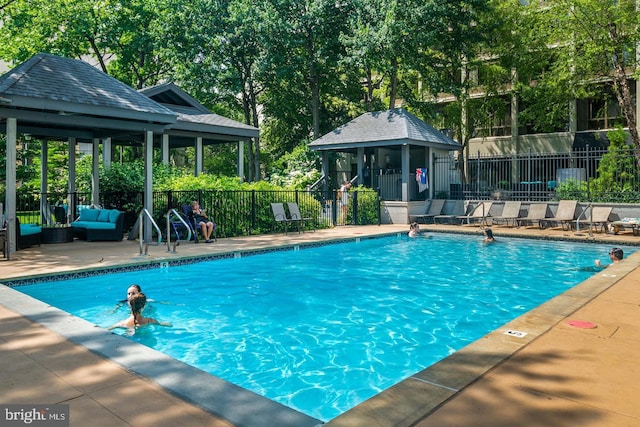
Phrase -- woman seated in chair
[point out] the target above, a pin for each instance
(203, 221)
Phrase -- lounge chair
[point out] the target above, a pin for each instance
(632, 223)
(294, 212)
(596, 217)
(536, 215)
(280, 216)
(565, 214)
(454, 211)
(479, 214)
(435, 208)
(510, 213)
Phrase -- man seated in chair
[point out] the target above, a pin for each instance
(203, 221)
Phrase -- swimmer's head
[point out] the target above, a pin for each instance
(138, 302)
(132, 291)
(616, 253)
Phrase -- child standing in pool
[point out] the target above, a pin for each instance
(136, 319)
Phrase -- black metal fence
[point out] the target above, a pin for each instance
(541, 177)
(235, 213)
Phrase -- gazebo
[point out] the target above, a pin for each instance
(388, 149)
(52, 98)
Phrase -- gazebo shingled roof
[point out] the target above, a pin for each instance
(383, 129)
(52, 96)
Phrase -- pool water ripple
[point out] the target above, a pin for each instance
(323, 329)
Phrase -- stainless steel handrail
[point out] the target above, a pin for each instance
(173, 212)
(590, 209)
(144, 212)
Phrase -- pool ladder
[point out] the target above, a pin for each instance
(172, 215)
(143, 243)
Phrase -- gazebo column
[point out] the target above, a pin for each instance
(45, 213)
(106, 152)
(405, 157)
(71, 202)
(165, 149)
(10, 190)
(429, 162)
(325, 172)
(241, 160)
(360, 165)
(199, 155)
(95, 172)
(148, 183)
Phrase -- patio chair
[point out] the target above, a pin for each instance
(294, 212)
(456, 209)
(596, 217)
(280, 216)
(565, 214)
(536, 215)
(479, 214)
(510, 214)
(435, 208)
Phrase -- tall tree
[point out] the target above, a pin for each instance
(302, 61)
(220, 46)
(596, 40)
(127, 38)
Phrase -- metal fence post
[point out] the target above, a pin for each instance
(354, 220)
(253, 211)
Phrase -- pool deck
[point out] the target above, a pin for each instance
(535, 371)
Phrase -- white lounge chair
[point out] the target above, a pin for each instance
(510, 213)
(451, 211)
(435, 208)
(565, 214)
(536, 215)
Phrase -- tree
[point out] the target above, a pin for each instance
(595, 40)
(225, 57)
(127, 38)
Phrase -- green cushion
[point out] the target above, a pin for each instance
(104, 215)
(113, 216)
(89, 215)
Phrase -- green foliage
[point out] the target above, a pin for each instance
(297, 169)
(618, 179)
(368, 203)
(573, 190)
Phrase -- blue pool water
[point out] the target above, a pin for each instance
(323, 329)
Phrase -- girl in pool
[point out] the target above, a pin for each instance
(136, 319)
(132, 290)
(488, 236)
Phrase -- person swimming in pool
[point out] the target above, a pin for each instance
(488, 235)
(136, 319)
(414, 229)
(615, 255)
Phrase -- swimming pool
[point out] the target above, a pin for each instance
(322, 329)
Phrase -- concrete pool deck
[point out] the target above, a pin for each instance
(555, 375)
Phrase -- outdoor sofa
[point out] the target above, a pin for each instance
(27, 235)
(99, 224)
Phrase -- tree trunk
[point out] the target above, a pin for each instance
(623, 94)
(393, 86)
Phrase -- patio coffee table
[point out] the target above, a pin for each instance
(57, 234)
